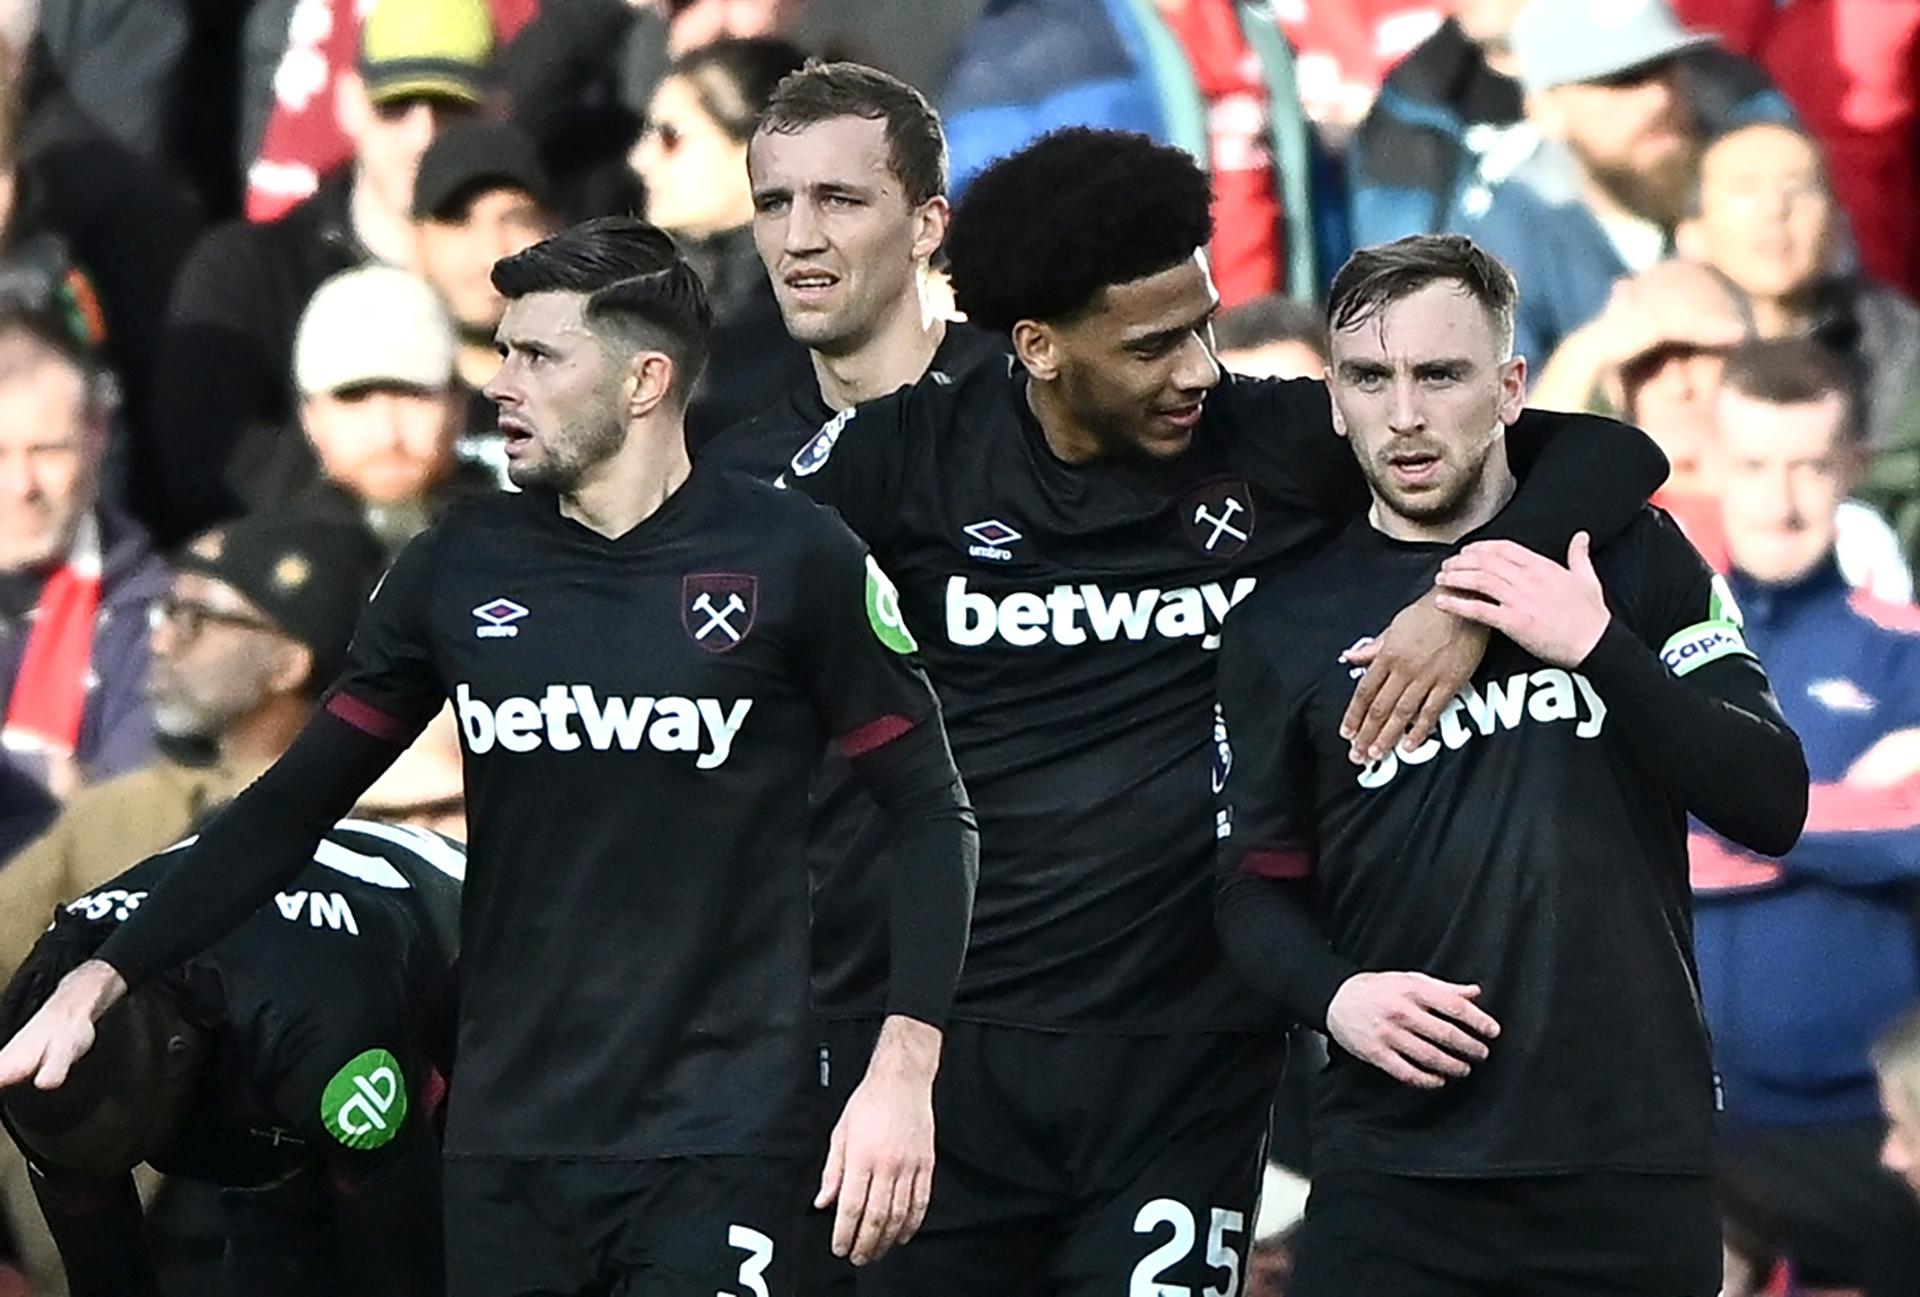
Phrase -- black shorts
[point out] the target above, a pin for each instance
(846, 1046)
(1373, 1235)
(1078, 1164)
(663, 1228)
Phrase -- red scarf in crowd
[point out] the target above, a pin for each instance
(50, 693)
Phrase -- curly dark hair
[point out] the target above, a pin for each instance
(1039, 234)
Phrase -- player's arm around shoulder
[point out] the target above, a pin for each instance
(1662, 643)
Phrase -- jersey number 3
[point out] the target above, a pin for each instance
(759, 1250)
(1220, 1251)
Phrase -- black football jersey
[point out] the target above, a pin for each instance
(765, 445)
(849, 852)
(639, 718)
(1068, 616)
(347, 973)
(1526, 847)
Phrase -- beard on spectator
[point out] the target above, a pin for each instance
(1661, 193)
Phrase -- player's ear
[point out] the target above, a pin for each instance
(1513, 389)
(1038, 347)
(1333, 403)
(930, 227)
(648, 384)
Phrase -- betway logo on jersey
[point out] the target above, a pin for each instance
(1074, 614)
(569, 717)
(1545, 697)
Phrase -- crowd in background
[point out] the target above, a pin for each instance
(246, 321)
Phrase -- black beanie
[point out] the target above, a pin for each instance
(310, 576)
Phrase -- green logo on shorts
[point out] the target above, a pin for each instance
(365, 1103)
(883, 611)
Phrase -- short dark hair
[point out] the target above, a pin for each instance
(1792, 371)
(637, 285)
(820, 92)
(1376, 277)
(1270, 319)
(734, 78)
(1039, 235)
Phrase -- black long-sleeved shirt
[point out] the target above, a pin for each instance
(1535, 845)
(1068, 616)
(639, 717)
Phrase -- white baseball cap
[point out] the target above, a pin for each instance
(376, 324)
(1566, 42)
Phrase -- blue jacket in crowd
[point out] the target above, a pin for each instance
(1447, 148)
(1028, 67)
(1805, 961)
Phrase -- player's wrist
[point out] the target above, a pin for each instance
(908, 1049)
(93, 987)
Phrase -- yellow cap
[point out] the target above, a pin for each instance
(426, 47)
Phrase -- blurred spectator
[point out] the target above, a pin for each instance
(1272, 337)
(426, 787)
(693, 23)
(1851, 69)
(76, 576)
(88, 224)
(1892, 479)
(576, 79)
(1613, 171)
(1896, 1058)
(693, 158)
(1215, 77)
(1450, 119)
(1765, 219)
(302, 57)
(118, 62)
(1804, 961)
(1750, 1243)
(1344, 49)
(222, 372)
(381, 408)
(481, 195)
(254, 627)
(1654, 357)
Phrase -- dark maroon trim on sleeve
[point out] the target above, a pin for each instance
(368, 719)
(874, 734)
(1277, 864)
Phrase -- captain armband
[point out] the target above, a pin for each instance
(1708, 641)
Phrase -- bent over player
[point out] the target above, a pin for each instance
(1493, 925)
(296, 1063)
(646, 659)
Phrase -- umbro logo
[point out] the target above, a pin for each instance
(993, 536)
(496, 618)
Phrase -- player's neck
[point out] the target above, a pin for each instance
(1070, 440)
(898, 353)
(630, 487)
(1490, 495)
(257, 739)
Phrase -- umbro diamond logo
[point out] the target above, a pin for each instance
(496, 618)
(993, 537)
